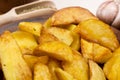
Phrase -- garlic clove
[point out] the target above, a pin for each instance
(117, 1)
(100, 8)
(107, 11)
(116, 22)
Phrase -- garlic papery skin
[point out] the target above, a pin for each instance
(117, 1)
(107, 11)
(116, 22)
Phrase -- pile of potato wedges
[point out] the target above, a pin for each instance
(73, 44)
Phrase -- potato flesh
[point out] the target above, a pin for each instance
(31, 27)
(76, 41)
(71, 15)
(52, 65)
(13, 65)
(101, 54)
(62, 34)
(87, 49)
(99, 32)
(112, 66)
(62, 75)
(47, 23)
(96, 72)
(95, 51)
(23, 39)
(78, 67)
(55, 49)
(32, 60)
(46, 36)
(41, 72)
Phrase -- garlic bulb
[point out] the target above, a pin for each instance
(109, 12)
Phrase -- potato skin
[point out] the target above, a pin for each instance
(23, 39)
(40, 70)
(96, 72)
(70, 15)
(31, 27)
(112, 66)
(55, 49)
(95, 52)
(78, 67)
(98, 32)
(13, 64)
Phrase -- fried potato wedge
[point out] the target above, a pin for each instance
(71, 27)
(13, 65)
(70, 15)
(23, 39)
(47, 23)
(32, 60)
(94, 51)
(112, 66)
(41, 72)
(63, 35)
(31, 27)
(52, 65)
(99, 32)
(76, 41)
(62, 75)
(96, 72)
(101, 54)
(55, 49)
(76, 38)
(78, 67)
(46, 36)
(87, 49)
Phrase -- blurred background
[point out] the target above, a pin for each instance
(6, 5)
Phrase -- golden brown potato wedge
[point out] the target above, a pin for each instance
(32, 60)
(41, 72)
(101, 54)
(76, 38)
(94, 51)
(78, 67)
(62, 75)
(99, 32)
(63, 35)
(47, 23)
(71, 27)
(26, 41)
(76, 41)
(46, 36)
(87, 49)
(13, 64)
(55, 49)
(96, 72)
(112, 66)
(71, 15)
(52, 65)
(31, 27)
